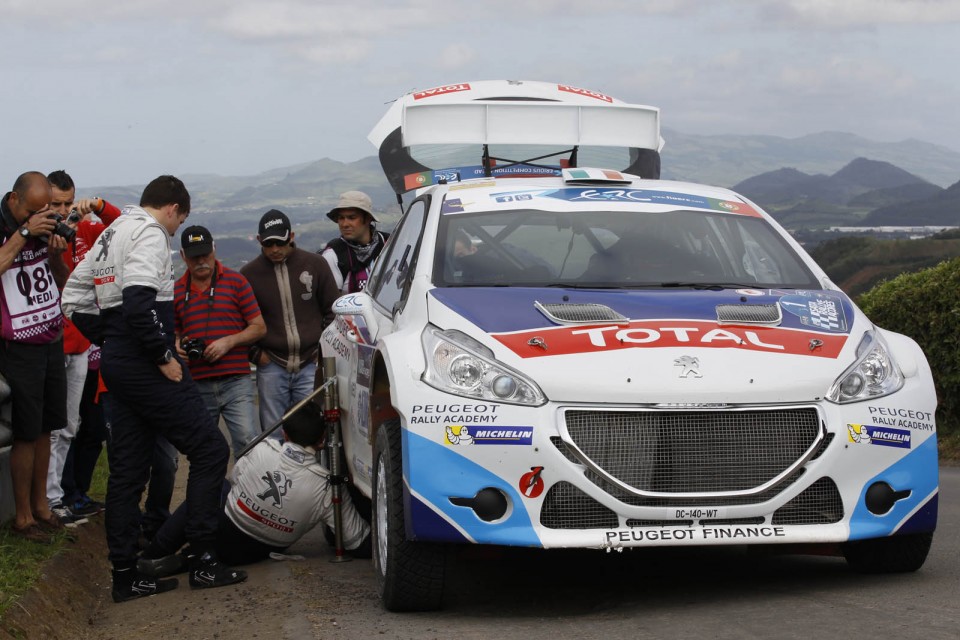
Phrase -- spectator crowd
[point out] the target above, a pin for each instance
(106, 352)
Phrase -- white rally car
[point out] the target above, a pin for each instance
(549, 355)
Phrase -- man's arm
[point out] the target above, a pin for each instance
(79, 301)
(38, 225)
(327, 291)
(255, 329)
(55, 248)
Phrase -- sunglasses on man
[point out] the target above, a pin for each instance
(274, 243)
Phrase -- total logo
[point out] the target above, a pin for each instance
(437, 91)
(584, 92)
(659, 334)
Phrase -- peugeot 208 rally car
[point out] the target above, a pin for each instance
(558, 349)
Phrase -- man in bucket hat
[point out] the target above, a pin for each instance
(359, 244)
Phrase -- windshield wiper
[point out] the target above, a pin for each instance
(711, 286)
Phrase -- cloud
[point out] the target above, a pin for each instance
(455, 56)
(831, 14)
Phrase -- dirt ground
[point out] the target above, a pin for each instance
(72, 600)
(279, 600)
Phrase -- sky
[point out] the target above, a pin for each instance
(118, 93)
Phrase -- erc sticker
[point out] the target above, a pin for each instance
(884, 436)
(472, 434)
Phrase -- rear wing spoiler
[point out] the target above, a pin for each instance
(539, 123)
(513, 122)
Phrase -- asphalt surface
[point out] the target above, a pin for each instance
(541, 595)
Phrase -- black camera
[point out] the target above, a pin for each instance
(193, 347)
(63, 230)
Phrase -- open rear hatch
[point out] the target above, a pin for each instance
(511, 128)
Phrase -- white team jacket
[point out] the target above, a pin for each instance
(134, 250)
(280, 493)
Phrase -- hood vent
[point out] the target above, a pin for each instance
(590, 313)
(768, 314)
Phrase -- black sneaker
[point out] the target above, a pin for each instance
(140, 586)
(86, 507)
(67, 516)
(206, 572)
(161, 567)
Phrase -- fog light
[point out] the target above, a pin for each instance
(489, 504)
(881, 497)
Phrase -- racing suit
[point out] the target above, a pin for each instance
(279, 493)
(122, 293)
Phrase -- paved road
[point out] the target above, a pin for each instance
(713, 593)
(657, 593)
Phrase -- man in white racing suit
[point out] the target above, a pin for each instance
(279, 493)
(121, 295)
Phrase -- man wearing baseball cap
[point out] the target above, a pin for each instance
(359, 244)
(217, 319)
(295, 290)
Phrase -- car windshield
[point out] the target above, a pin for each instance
(615, 249)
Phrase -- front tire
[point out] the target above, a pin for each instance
(409, 574)
(896, 554)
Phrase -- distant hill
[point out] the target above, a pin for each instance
(942, 208)
(785, 187)
(725, 160)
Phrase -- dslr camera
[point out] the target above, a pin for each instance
(62, 229)
(193, 347)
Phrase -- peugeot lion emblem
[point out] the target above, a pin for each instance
(691, 366)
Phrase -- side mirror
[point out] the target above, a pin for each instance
(360, 306)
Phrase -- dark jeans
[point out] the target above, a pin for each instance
(142, 405)
(86, 447)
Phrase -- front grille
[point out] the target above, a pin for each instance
(699, 501)
(566, 507)
(820, 503)
(703, 452)
(636, 523)
(732, 521)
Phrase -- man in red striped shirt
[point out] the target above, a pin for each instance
(217, 318)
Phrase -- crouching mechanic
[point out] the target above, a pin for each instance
(279, 493)
(121, 294)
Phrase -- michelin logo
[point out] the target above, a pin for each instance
(883, 436)
(461, 435)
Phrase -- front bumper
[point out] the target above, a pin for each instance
(694, 483)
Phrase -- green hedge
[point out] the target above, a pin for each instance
(925, 305)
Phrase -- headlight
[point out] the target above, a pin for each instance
(873, 375)
(458, 364)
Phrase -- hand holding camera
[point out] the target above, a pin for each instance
(193, 347)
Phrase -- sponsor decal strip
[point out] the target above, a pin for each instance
(883, 436)
(259, 518)
(706, 534)
(472, 434)
(646, 334)
(439, 91)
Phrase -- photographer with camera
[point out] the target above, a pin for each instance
(75, 448)
(31, 351)
(217, 318)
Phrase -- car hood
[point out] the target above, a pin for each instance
(670, 346)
